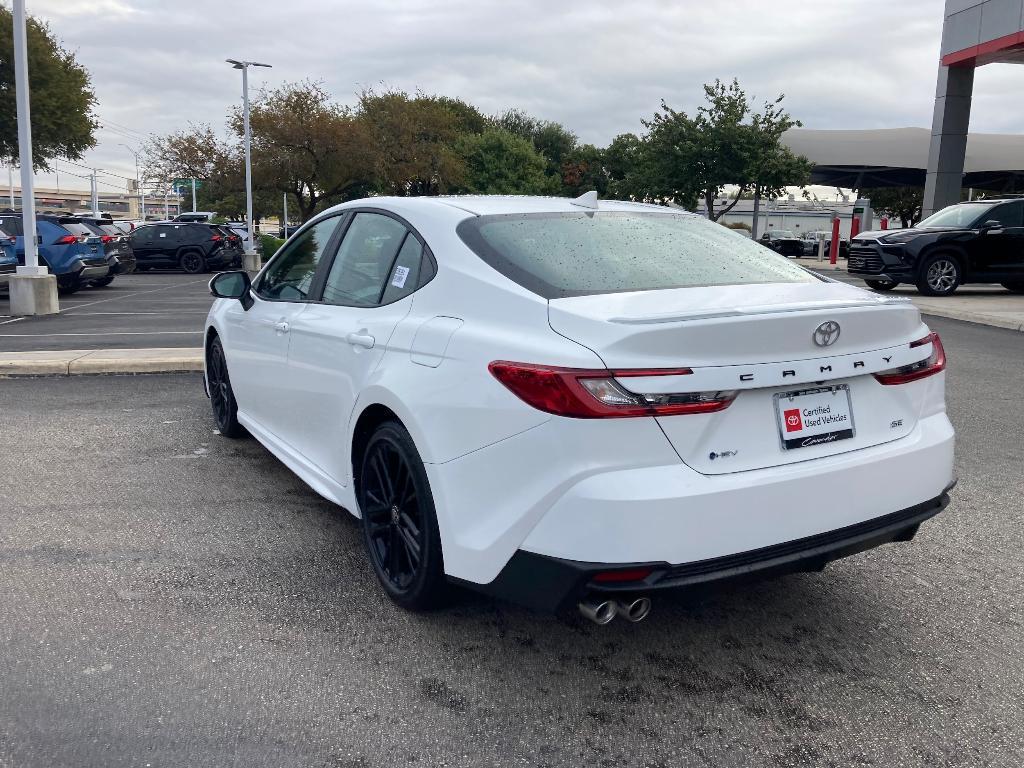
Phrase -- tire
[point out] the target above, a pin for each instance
(68, 284)
(222, 397)
(939, 275)
(192, 262)
(881, 285)
(103, 282)
(1014, 287)
(399, 521)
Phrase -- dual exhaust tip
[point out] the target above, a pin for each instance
(603, 611)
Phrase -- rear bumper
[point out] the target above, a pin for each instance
(554, 584)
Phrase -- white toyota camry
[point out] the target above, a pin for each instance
(572, 402)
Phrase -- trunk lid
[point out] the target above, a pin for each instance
(758, 340)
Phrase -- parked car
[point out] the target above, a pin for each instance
(8, 253)
(782, 241)
(193, 248)
(573, 403)
(810, 241)
(71, 251)
(123, 226)
(115, 243)
(240, 231)
(195, 216)
(285, 232)
(975, 242)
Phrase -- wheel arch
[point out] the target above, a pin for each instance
(953, 249)
(376, 406)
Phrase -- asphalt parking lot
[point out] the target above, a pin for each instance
(144, 309)
(170, 597)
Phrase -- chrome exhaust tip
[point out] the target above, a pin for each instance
(599, 611)
(635, 610)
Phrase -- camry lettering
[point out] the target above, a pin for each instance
(859, 364)
(746, 377)
(788, 373)
(826, 368)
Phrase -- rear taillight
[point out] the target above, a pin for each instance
(216, 238)
(931, 365)
(66, 240)
(108, 238)
(595, 394)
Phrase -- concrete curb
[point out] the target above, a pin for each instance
(77, 362)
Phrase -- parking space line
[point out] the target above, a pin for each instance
(5, 322)
(130, 295)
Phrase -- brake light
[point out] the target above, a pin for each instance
(629, 574)
(216, 238)
(595, 394)
(66, 240)
(931, 365)
(108, 238)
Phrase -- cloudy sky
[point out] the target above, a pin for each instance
(598, 67)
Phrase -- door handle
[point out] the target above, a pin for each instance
(360, 340)
(281, 326)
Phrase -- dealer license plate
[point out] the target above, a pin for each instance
(814, 416)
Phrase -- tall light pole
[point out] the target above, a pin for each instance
(251, 257)
(33, 289)
(138, 184)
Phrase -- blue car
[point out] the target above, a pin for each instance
(70, 249)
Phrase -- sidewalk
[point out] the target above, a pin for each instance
(985, 304)
(73, 362)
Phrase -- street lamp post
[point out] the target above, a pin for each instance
(252, 259)
(33, 290)
(138, 184)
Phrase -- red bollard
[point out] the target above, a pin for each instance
(833, 251)
(885, 222)
(854, 227)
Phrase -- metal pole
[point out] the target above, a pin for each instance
(757, 211)
(248, 156)
(284, 227)
(167, 203)
(95, 195)
(193, 195)
(10, 184)
(28, 195)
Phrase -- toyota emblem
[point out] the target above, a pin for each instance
(826, 334)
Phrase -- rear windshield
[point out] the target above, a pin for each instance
(80, 228)
(578, 254)
(12, 224)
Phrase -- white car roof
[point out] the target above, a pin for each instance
(484, 205)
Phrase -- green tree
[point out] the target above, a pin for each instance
(689, 159)
(556, 144)
(624, 163)
(903, 203)
(500, 163)
(62, 99)
(413, 140)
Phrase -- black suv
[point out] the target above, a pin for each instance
(782, 241)
(976, 242)
(115, 243)
(194, 248)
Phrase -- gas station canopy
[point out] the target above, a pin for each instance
(898, 157)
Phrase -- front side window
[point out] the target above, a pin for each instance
(1008, 215)
(578, 254)
(365, 260)
(290, 275)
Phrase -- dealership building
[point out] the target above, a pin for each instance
(974, 33)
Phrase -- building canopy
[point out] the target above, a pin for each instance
(896, 157)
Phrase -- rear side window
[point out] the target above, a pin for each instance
(364, 261)
(404, 277)
(78, 228)
(12, 225)
(578, 254)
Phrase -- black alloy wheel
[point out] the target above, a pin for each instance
(68, 284)
(881, 285)
(399, 522)
(222, 397)
(193, 262)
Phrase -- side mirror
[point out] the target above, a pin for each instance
(232, 285)
(991, 226)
